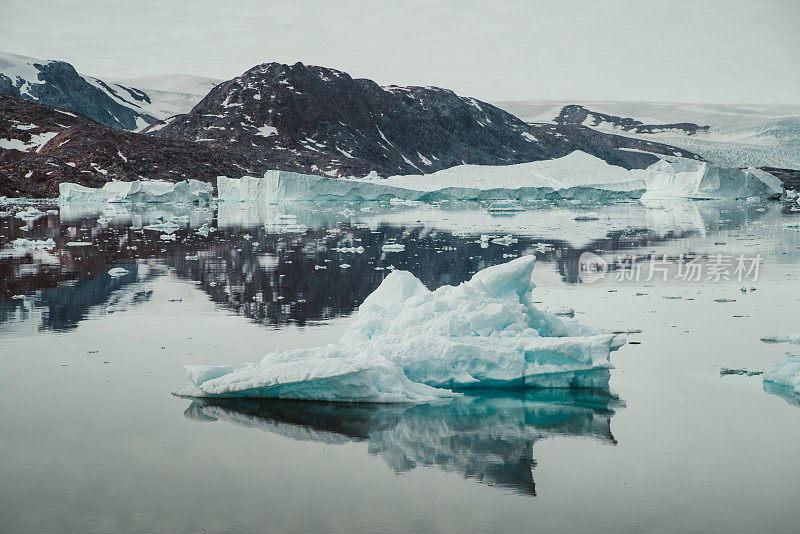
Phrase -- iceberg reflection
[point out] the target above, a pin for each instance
(487, 437)
(785, 392)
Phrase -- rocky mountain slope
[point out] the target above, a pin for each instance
(575, 114)
(320, 120)
(41, 146)
(118, 105)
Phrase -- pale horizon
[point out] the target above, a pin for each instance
(720, 52)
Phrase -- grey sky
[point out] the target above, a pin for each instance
(658, 50)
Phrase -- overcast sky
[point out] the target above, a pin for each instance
(727, 51)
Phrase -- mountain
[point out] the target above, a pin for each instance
(320, 120)
(42, 146)
(731, 135)
(575, 114)
(120, 105)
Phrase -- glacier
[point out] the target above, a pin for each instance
(139, 191)
(576, 176)
(410, 344)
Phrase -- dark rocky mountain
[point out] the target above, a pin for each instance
(578, 115)
(320, 120)
(58, 84)
(41, 146)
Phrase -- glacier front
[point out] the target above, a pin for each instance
(576, 176)
(410, 344)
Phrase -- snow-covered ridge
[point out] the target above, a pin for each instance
(410, 344)
(123, 104)
(738, 135)
(577, 175)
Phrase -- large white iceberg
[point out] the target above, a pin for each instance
(139, 191)
(577, 176)
(410, 344)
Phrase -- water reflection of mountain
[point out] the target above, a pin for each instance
(274, 273)
(63, 307)
(486, 437)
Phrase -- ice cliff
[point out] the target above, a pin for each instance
(410, 344)
(139, 191)
(575, 176)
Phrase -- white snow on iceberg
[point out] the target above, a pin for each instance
(786, 373)
(410, 344)
(139, 191)
(577, 176)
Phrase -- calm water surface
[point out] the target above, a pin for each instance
(93, 441)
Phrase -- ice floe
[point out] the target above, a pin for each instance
(410, 344)
(139, 191)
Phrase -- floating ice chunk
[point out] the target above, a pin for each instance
(28, 244)
(117, 272)
(139, 191)
(205, 230)
(408, 343)
(351, 250)
(167, 227)
(782, 338)
(786, 373)
(30, 213)
(504, 206)
(505, 241)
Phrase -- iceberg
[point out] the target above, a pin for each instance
(786, 373)
(684, 178)
(576, 176)
(139, 191)
(410, 344)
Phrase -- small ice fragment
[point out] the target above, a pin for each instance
(504, 206)
(117, 272)
(782, 338)
(505, 241)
